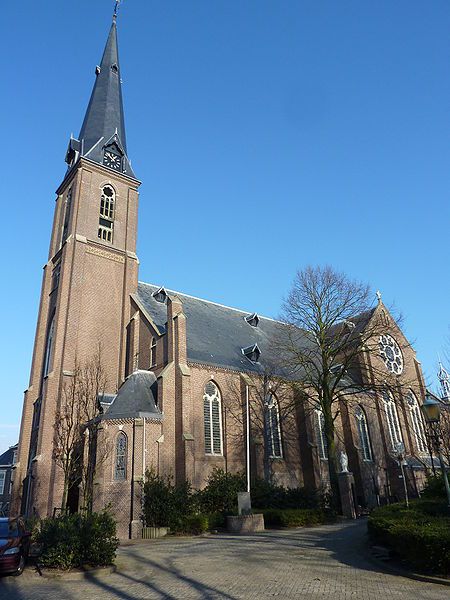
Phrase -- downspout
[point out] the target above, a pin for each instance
(247, 412)
(132, 480)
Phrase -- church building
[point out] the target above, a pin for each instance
(174, 363)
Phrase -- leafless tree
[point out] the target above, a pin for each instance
(331, 330)
(271, 409)
(76, 421)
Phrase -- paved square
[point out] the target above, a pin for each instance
(319, 562)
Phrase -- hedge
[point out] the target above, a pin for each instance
(294, 517)
(419, 535)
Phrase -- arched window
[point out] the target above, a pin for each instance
(212, 411)
(417, 423)
(153, 353)
(49, 346)
(273, 427)
(120, 466)
(107, 208)
(363, 431)
(320, 434)
(395, 432)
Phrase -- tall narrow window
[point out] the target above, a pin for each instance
(107, 208)
(417, 423)
(320, 434)
(273, 427)
(363, 431)
(212, 411)
(2, 480)
(395, 432)
(153, 353)
(49, 346)
(120, 468)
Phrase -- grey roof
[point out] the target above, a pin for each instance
(216, 334)
(137, 397)
(104, 122)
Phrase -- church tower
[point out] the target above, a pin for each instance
(91, 271)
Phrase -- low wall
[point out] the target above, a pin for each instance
(244, 524)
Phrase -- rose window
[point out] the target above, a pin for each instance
(391, 354)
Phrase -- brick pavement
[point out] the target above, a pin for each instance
(314, 563)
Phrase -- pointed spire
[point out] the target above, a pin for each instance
(103, 127)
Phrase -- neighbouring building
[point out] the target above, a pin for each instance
(7, 465)
(174, 363)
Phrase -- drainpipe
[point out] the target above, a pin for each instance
(247, 412)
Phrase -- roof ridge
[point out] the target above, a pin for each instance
(246, 312)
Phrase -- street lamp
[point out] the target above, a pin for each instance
(431, 410)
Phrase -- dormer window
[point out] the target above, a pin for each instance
(252, 353)
(114, 68)
(160, 295)
(252, 319)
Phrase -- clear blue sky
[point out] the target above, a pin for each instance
(268, 135)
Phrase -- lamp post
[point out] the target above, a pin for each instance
(431, 410)
(401, 461)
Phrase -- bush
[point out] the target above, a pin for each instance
(76, 540)
(195, 524)
(292, 517)
(434, 487)
(268, 495)
(166, 504)
(220, 493)
(420, 535)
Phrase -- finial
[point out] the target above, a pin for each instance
(379, 296)
(116, 8)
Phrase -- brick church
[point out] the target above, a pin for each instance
(172, 361)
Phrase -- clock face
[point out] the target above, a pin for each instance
(112, 160)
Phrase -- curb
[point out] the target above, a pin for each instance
(395, 570)
(78, 575)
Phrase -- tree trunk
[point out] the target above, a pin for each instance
(332, 459)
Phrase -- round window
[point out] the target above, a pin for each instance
(391, 354)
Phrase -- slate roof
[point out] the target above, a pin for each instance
(137, 397)
(104, 121)
(6, 459)
(216, 334)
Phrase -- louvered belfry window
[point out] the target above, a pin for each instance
(212, 412)
(120, 470)
(107, 209)
(273, 427)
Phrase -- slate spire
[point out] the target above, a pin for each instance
(103, 127)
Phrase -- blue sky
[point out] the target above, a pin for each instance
(268, 136)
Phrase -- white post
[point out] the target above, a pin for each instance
(247, 412)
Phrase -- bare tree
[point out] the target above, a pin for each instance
(271, 408)
(76, 420)
(331, 330)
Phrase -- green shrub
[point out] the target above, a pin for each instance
(291, 517)
(420, 535)
(220, 493)
(434, 487)
(76, 540)
(166, 504)
(194, 524)
(269, 495)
